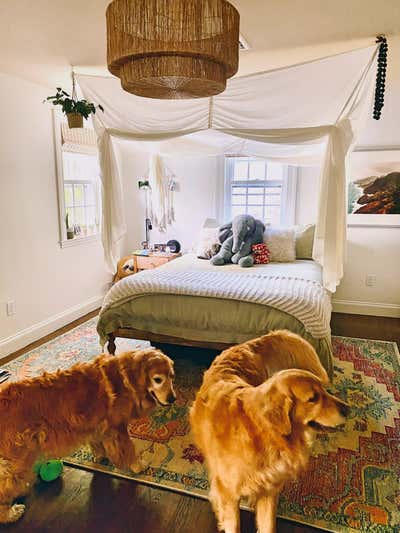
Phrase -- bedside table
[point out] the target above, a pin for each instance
(153, 260)
(131, 264)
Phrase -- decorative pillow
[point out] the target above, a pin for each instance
(281, 243)
(208, 244)
(261, 254)
(304, 241)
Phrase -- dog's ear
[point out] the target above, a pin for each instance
(277, 412)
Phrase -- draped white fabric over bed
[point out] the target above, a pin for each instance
(304, 114)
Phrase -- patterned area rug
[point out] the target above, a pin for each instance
(353, 480)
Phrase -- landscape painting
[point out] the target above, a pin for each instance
(374, 188)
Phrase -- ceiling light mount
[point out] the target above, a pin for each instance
(171, 49)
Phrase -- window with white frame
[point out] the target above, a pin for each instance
(81, 191)
(261, 188)
(78, 183)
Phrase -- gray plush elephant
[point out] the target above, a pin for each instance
(236, 239)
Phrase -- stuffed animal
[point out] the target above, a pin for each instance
(236, 240)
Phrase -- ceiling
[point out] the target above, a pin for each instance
(41, 39)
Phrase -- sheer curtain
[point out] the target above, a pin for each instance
(303, 114)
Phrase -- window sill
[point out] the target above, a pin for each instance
(77, 241)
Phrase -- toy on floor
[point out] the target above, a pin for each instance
(236, 240)
(49, 470)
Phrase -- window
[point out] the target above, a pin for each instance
(79, 188)
(81, 174)
(260, 188)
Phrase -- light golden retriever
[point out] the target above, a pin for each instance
(52, 415)
(254, 419)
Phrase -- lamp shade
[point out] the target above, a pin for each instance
(172, 48)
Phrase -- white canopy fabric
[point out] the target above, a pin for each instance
(304, 114)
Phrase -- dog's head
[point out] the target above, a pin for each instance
(297, 398)
(159, 376)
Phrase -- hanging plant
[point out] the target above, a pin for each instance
(75, 110)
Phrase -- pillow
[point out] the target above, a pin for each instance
(281, 243)
(208, 244)
(304, 241)
(211, 223)
(260, 253)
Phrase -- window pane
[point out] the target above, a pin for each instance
(273, 199)
(238, 210)
(257, 170)
(256, 188)
(239, 190)
(70, 212)
(240, 170)
(90, 198)
(256, 211)
(78, 194)
(68, 195)
(256, 200)
(273, 214)
(273, 190)
(239, 200)
(79, 215)
(274, 171)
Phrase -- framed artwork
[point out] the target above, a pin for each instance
(374, 188)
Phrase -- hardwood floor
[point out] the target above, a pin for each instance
(86, 502)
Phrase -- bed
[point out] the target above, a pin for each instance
(193, 303)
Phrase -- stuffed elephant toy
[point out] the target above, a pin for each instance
(236, 240)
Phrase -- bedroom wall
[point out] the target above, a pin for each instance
(196, 199)
(51, 286)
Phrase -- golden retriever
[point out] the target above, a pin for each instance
(52, 415)
(254, 419)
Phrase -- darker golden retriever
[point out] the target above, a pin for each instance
(254, 419)
(51, 415)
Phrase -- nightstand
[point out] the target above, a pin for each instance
(131, 264)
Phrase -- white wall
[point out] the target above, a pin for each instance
(51, 286)
(197, 196)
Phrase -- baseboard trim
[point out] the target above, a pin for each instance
(358, 307)
(41, 329)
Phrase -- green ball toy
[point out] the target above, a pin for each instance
(50, 470)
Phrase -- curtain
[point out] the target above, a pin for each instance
(304, 114)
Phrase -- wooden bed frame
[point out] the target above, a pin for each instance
(131, 333)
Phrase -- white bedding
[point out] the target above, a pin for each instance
(294, 288)
(302, 268)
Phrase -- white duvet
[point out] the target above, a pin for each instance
(295, 288)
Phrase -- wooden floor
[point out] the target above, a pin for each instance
(84, 502)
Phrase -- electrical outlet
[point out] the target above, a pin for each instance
(10, 307)
(370, 280)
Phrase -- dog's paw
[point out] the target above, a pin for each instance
(11, 514)
(138, 466)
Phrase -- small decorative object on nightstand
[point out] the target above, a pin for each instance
(142, 260)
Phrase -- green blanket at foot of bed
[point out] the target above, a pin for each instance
(205, 319)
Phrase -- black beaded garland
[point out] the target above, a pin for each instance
(380, 77)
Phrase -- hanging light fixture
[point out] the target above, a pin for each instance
(172, 48)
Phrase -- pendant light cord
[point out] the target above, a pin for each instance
(380, 76)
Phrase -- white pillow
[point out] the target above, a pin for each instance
(208, 244)
(281, 243)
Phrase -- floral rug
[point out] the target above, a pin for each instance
(352, 483)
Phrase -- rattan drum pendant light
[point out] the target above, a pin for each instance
(172, 48)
